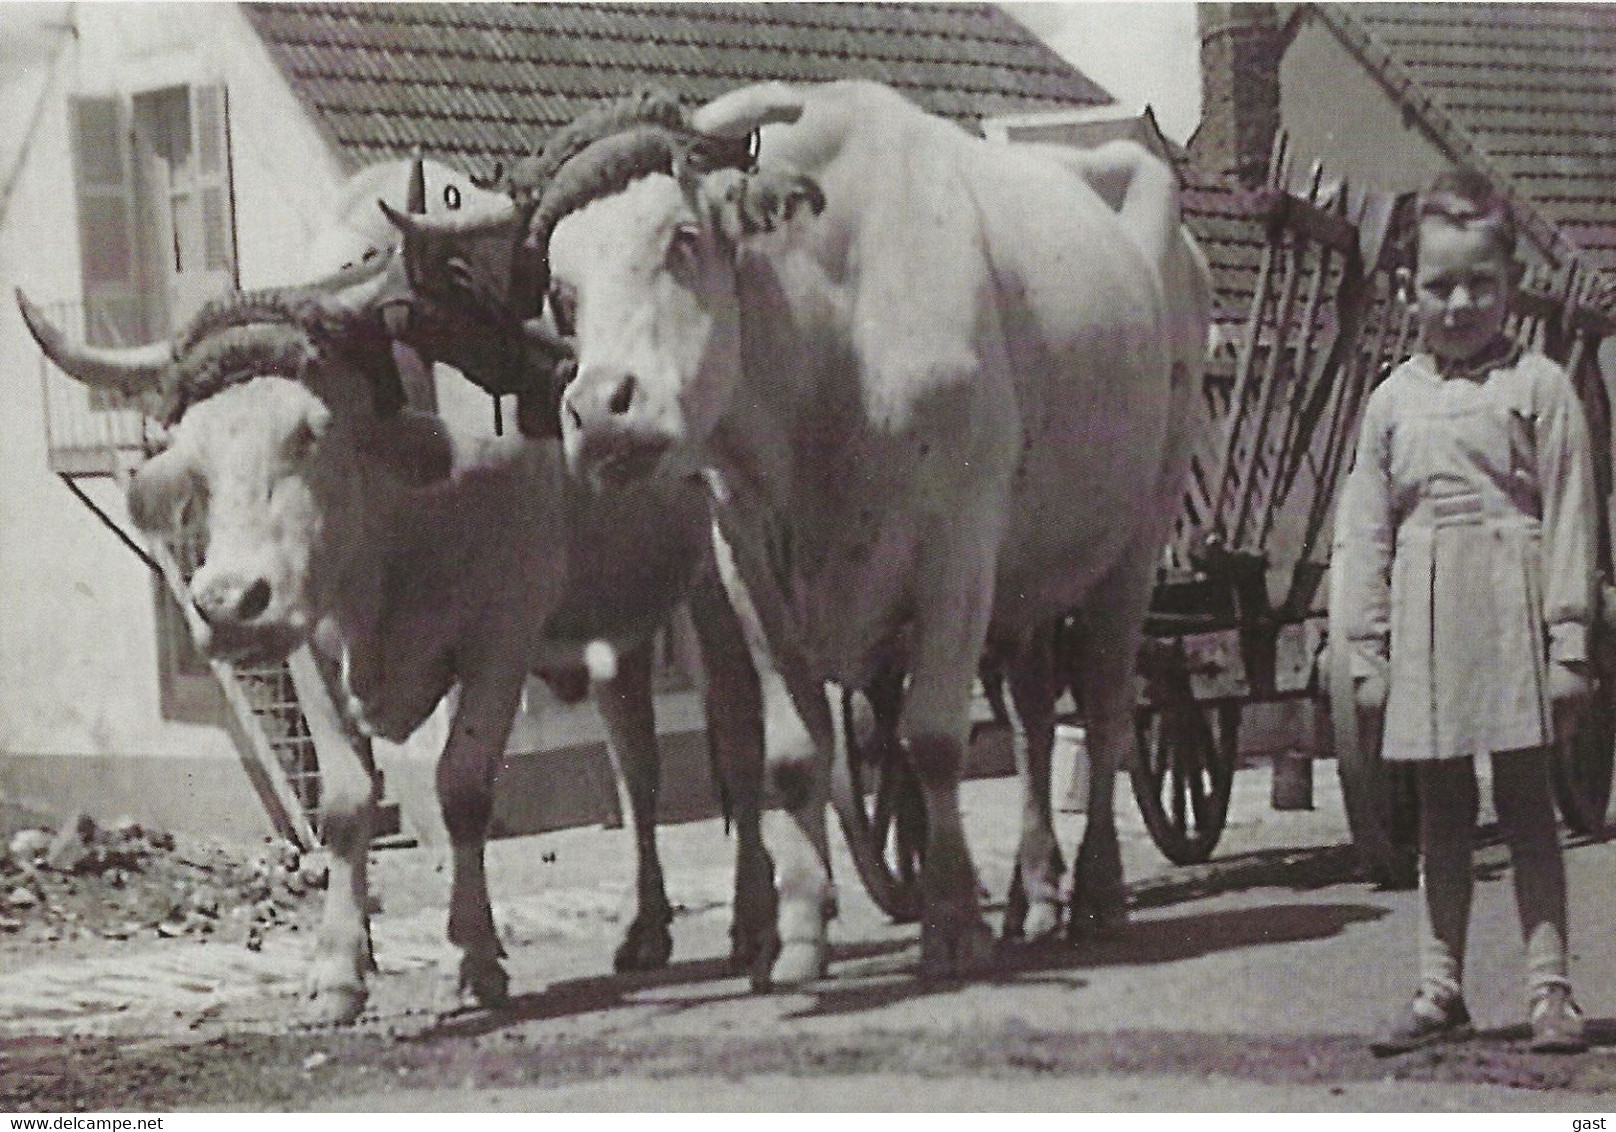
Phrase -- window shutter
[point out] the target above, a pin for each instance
(210, 111)
(109, 255)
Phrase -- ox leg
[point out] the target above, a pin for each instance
(465, 779)
(807, 897)
(733, 698)
(951, 629)
(342, 951)
(625, 707)
(1033, 909)
(1113, 622)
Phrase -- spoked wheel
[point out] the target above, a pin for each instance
(878, 799)
(1183, 773)
(1379, 797)
(1582, 769)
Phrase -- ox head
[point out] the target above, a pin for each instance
(627, 225)
(500, 353)
(282, 408)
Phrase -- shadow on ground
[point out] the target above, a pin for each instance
(1142, 942)
(870, 976)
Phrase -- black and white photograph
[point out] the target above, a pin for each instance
(906, 557)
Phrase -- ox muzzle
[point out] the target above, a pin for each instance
(238, 618)
(614, 434)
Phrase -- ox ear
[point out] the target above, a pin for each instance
(747, 204)
(159, 492)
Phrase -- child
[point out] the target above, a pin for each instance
(1465, 542)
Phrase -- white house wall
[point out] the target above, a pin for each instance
(78, 650)
(81, 725)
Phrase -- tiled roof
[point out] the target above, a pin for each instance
(1523, 92)
(480, 82)
(1229, 222)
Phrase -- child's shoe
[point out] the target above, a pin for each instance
(1423, 1022)
(1557, 1022)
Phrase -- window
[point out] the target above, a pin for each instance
(157, 239)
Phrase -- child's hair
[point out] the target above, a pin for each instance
(1467, 200)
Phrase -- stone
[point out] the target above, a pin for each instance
(123, 831)
(28, 845)
(71, 847)
(286, 855)
(20, 897)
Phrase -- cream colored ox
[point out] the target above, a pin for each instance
(331, 517)
(943, 389)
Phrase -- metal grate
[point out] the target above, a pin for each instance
(271, 696)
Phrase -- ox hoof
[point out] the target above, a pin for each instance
(1099, 896)
(1029, 921)
(1040, 923)
(1098, 914)
(336, 1004)
(951, 951)
(755, 953)
(801, 961)
(483, 983)
(646, 946)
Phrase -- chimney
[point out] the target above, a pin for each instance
(1241, 45)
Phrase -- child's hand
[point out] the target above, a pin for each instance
(1370, 691)
(1568, 682)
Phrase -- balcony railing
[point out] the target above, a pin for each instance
(88, 432)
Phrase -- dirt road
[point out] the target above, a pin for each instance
(1245, 984)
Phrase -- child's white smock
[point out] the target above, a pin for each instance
(1465, 546)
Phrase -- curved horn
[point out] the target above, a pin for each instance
(357, 289)
(738, 113)
(451, 224)
(131, 370)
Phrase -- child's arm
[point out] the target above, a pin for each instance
(1565, 478)
(1361, 555)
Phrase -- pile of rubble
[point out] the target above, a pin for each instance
(123, 881)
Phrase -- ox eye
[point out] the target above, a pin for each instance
(564, 307)
(192, 506)
(303, 441)
(684, 242)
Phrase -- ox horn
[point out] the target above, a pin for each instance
(415, 200)
(452, 224)
(131, 370)
(732, 116)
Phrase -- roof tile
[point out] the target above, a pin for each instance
(485, 81)
(1531, 86)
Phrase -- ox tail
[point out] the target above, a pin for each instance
(726, 800)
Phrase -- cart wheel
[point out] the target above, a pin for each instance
(1379, 797)
(1183, 774)
(878, 801)
(1582, 770)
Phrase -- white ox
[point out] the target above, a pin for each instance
(331, 517)
(944, 390)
